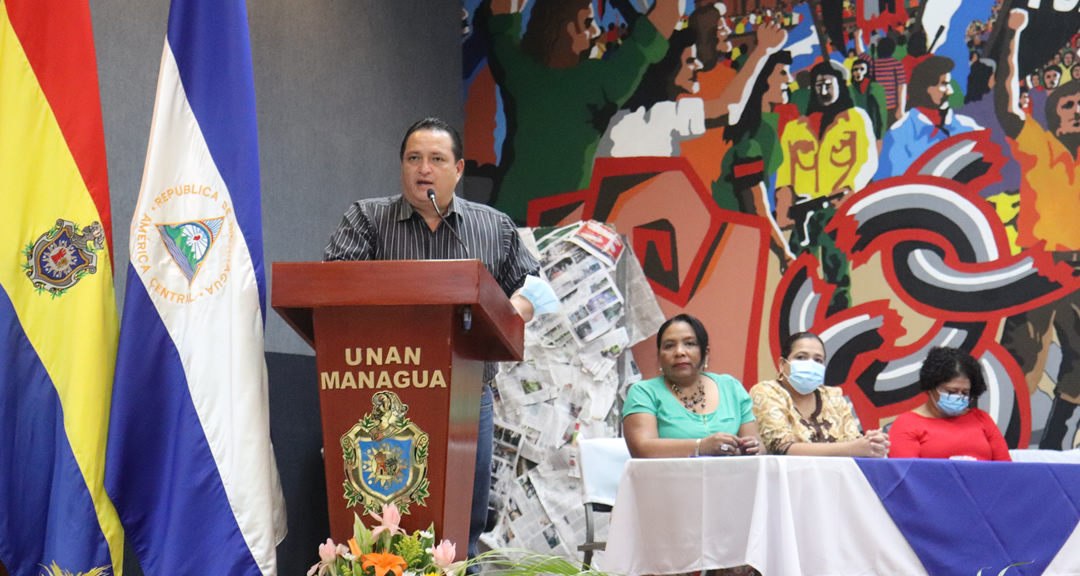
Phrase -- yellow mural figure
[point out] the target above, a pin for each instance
(829, 153)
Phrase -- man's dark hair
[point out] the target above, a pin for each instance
(1051, 68)
(943, 364)
(695, 324)
(978, 84)
(925, 75)
(789, 342)
(802, 78)
(750, 120)
(885, 47)
(547, 26)
(1053, 121)
(843, 96)
(434, 124)
(703, 21)
(917, 44)
(658, 83)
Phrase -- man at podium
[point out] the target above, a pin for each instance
(429, 222)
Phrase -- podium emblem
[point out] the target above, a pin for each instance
(385, 457)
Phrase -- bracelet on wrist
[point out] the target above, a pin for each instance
(697, 448)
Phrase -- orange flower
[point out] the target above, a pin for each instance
(383, 562)
(354, 547)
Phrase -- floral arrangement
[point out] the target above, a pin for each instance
(387, 549)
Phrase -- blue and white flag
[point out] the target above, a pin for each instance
(947, 22)
(189, 463)
(803, 40)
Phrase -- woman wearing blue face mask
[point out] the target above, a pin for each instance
(949, 425)
(797, 415)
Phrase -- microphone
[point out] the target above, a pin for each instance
(431, 196)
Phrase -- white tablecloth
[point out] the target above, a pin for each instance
(784, 515)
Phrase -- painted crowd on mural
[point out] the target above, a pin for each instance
(891, 174)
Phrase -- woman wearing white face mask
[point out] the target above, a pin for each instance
(948, 425)
(797, 415)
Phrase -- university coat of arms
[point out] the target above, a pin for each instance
(59, 258)
(385, 457)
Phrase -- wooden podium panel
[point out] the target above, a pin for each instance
(399, 342)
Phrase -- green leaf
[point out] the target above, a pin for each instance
(361, 534)
(517, 562)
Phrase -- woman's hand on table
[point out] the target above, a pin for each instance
(750, 446)
(877, 444)
(720, 444)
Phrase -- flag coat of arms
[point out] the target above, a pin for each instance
(58, 322)
(190, 466)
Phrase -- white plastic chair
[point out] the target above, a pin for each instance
(602, 461)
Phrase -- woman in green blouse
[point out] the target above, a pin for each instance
(687, 411)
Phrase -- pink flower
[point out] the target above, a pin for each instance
(388, 521)
(328, 554)
(444, 554)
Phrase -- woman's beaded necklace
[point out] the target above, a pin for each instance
(697, 398)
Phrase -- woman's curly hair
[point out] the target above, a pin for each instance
(943, 364)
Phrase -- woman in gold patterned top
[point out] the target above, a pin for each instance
(798, 415)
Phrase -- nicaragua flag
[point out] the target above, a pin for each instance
(58, 323)
(190, 465)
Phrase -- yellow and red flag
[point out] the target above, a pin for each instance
(58, 321)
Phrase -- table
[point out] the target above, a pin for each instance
(791, 515)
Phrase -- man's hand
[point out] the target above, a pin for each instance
(846, 192)
(785, 198)
(771, 37)
(1018, 19)
(507, 6)
(534, 297)
(665, 15)
(522, 306)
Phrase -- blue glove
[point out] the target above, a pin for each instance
(540, 295)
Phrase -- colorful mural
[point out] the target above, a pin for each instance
(891, 174)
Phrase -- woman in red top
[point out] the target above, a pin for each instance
(948, 425)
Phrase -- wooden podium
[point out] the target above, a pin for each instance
(400, 348)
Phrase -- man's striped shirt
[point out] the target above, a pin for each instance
(391, 229)
(889, 72)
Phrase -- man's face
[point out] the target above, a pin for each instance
(1025, 99)
(858, 71)
(723, 36)
(940, 92)
(583, 31)
(826, 89)
(429, 164)
(1051, 79)
(1068, 111)
(686, 79)
(778, 85)
(1068, 59)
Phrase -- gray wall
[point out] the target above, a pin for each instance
(337, 82)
